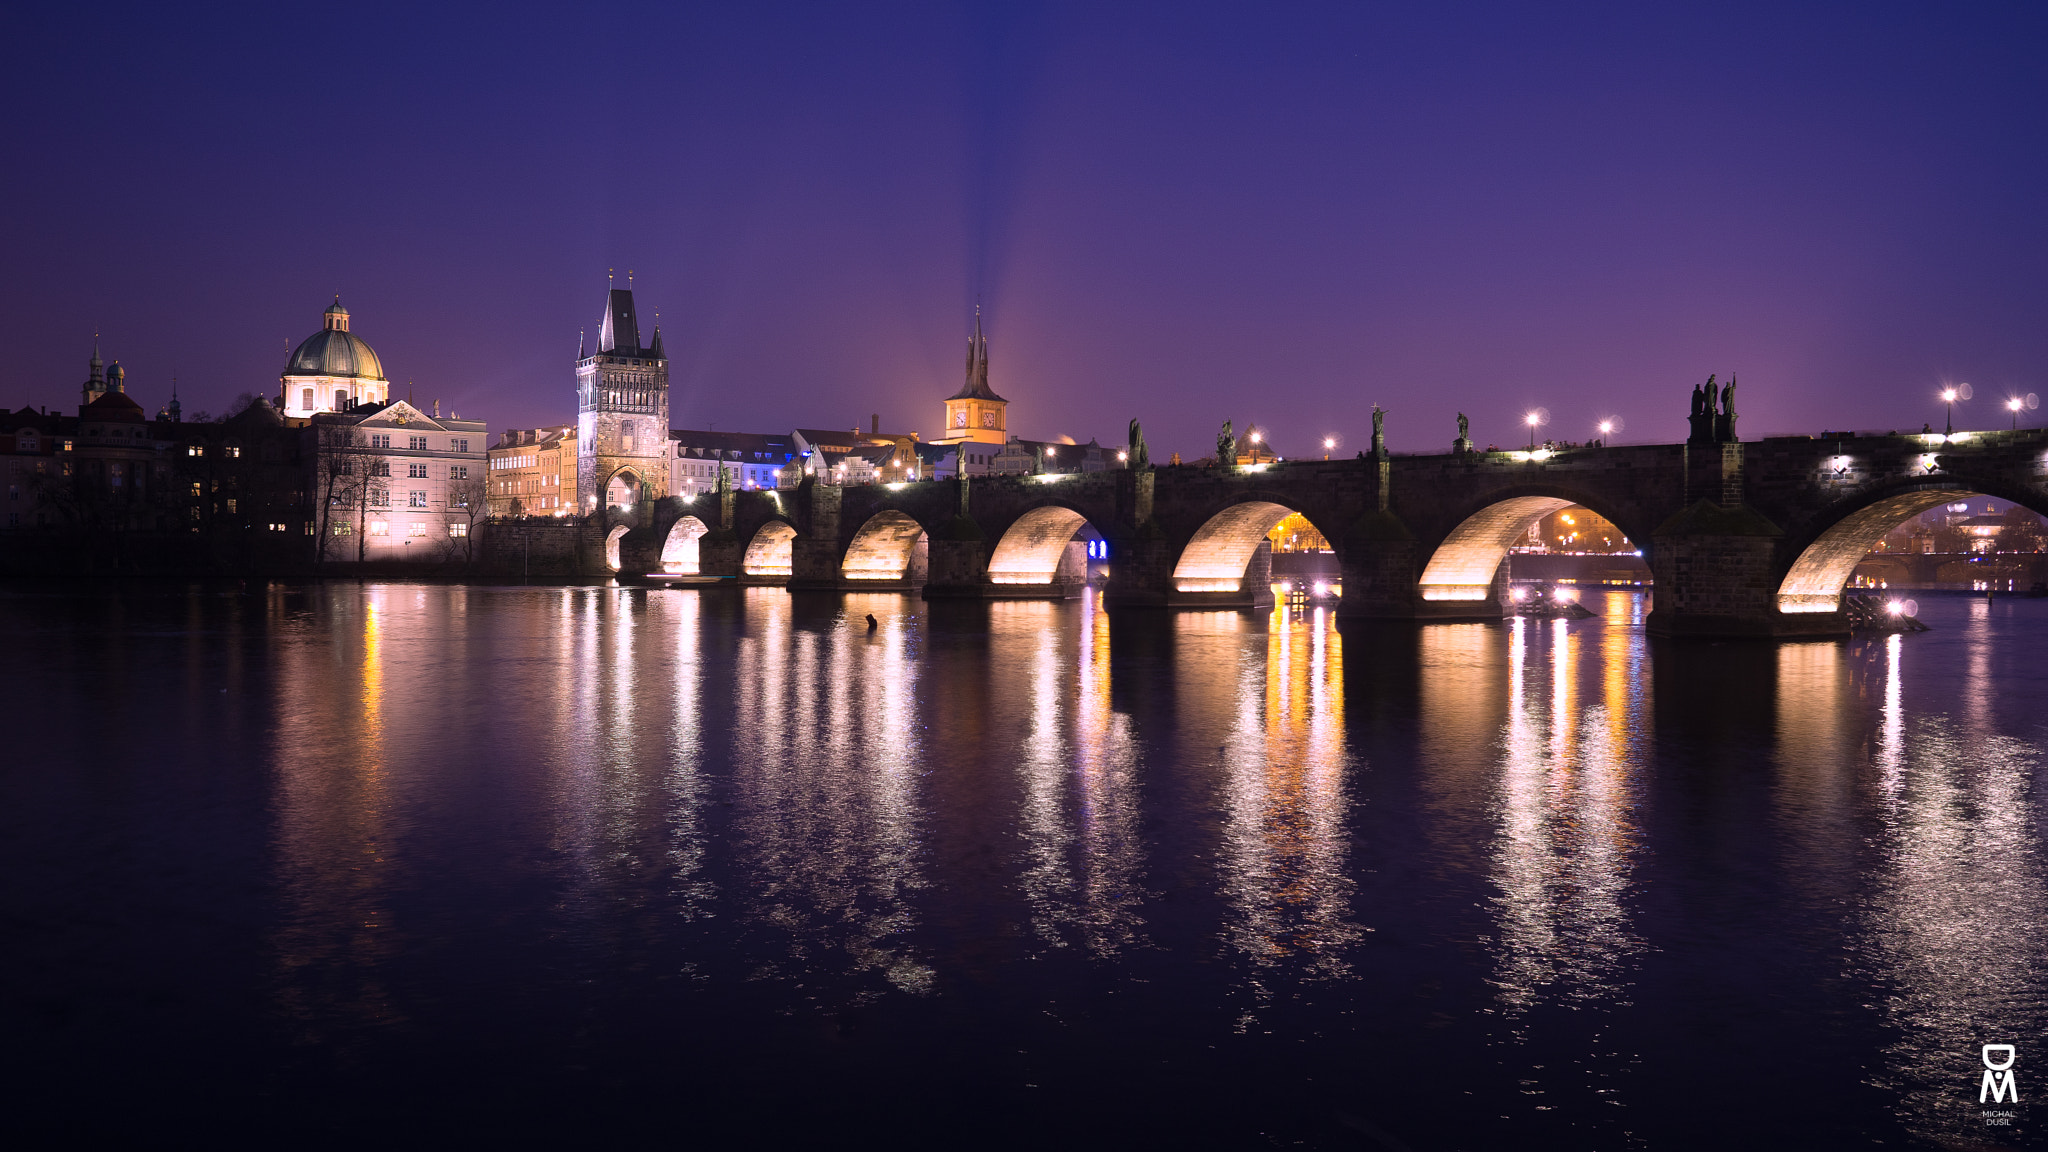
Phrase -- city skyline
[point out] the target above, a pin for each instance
(1179, 217)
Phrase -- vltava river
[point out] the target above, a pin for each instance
(421, 864)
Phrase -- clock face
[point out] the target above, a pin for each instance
(988, 419)
(960, 418)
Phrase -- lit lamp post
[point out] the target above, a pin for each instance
(2015, 404)
(1606, 430)
(1949, 396)
(1533, 420)
(1329, 442)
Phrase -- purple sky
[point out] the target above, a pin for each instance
(1184, 212)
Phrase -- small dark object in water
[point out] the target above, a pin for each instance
(1870, 614)
(872, 623)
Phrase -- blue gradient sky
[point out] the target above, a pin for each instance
(1182, 212)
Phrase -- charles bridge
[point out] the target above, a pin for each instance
(1742, 539)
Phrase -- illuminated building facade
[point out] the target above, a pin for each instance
(527, 467)
(621, 412)
(750, 460)
(396, 483)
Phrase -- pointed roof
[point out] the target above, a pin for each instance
(619, 332)
(977, 387)
(654, 349)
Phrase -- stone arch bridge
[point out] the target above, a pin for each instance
(1743, 539)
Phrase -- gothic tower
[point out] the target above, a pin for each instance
(621, 411)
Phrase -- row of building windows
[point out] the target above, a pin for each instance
(383, 528)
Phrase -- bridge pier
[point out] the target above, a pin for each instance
(1715, 574)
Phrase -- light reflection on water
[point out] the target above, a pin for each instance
(1553, 842)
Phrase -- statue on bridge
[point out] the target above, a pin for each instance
(1140, 459)
(1463, 443)
(1226, 447)
(1379, 433)
(1713, 413)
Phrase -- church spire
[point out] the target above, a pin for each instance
(619, 332)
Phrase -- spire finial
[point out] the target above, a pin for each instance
(610, 279)
(629, 279)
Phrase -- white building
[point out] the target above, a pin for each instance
(391, 482)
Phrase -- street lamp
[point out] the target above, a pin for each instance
(1329, 442)
(1533, 420)
(1949, 396)
(2015, 404)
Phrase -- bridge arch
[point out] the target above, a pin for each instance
(1215, 557)
(1031, 548)
(772, 551)
(611, 545)
(1463, 566)
(891, 545)
(679, 548)
(623, 489)
(1821, 565)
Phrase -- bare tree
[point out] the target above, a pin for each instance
(338, 476)
(468, 504)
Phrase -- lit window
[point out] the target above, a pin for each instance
(344, 528)
(234, 453)
(190, 449)
(379, 528)
(458, 529)
(416, 529)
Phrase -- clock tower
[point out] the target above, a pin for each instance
(975, 414)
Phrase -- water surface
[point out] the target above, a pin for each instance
(339, 862)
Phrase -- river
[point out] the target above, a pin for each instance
(333, 863)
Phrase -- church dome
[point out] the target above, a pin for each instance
(334, 351)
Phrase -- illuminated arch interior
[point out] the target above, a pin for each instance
(1215, 559)
(1029, 553)
(772, 551)
(623, 490)
(1463, 567)
(679, 551)
(1816, 580)
(884, 547)
(611, 547)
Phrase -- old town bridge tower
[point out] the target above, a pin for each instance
(621, 412)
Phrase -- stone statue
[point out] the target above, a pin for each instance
(1464, 427)
(1379, 433)
(1226, 447)
(1728, 398)
(1038, 460)
(1141, 459)
(963, 482)
(724, 484)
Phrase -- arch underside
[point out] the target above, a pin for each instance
(1030, 552)
(883, 548)
(1463, 566)
(679, 551)
(772, 552)
(611, 546)
(1817, 578)
(1215, 559)
(623, 488)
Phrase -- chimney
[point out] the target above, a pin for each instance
(875, 424)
